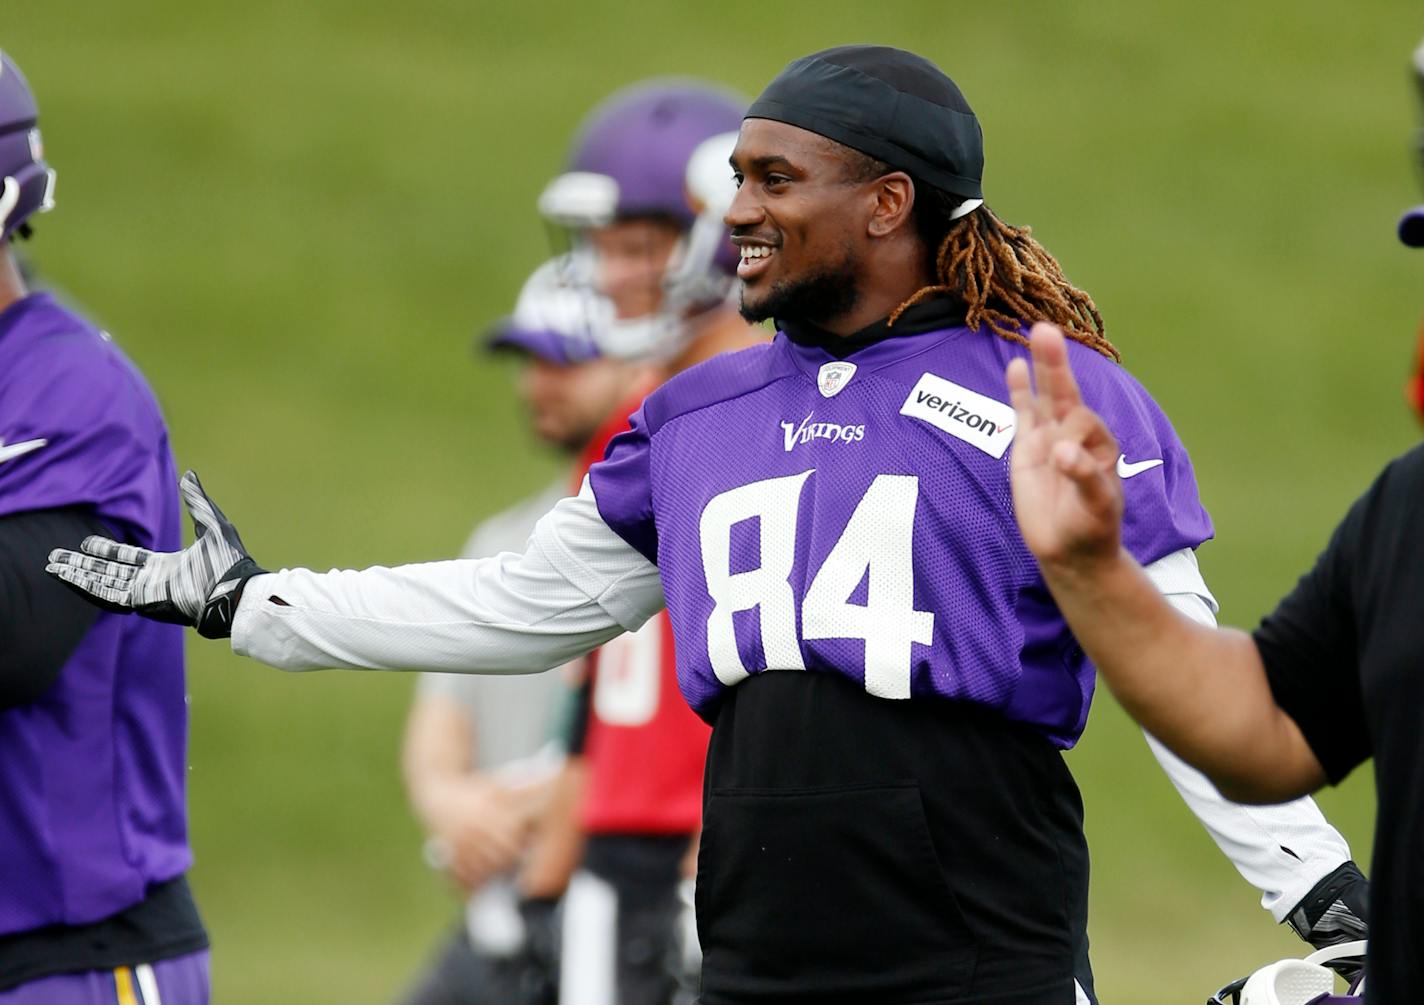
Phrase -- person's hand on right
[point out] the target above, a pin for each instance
(1067, 495)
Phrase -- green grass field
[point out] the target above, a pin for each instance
(295, 215)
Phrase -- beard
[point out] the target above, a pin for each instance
(816, 298)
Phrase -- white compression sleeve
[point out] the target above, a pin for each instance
(1281, 850)
(577, 585)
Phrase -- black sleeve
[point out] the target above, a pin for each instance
(1310, 647)
(41, 621)
(580, 708)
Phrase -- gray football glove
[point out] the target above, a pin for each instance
(198, 586)
(1336, 910)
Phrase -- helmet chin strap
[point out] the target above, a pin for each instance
(655, 336)
(9, 199)
(48, 201)
(693, 281)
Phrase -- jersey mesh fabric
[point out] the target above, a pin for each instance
(756, 422)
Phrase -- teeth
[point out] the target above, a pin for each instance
(755, 251)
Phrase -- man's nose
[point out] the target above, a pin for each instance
(744, 210)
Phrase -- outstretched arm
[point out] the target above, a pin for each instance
(576, 586)
(1202, 691)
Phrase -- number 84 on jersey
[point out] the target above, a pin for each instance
(874, 550)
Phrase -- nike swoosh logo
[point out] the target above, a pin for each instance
(18, 449)
(1126, 470)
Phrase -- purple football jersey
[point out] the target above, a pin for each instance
(854, 516)
(92, 792)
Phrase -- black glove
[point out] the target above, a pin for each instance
(1336, 910)
(538, 961)
(199, 586)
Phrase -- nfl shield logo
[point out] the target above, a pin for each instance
(834, 376)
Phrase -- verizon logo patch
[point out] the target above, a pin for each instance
(968, 415)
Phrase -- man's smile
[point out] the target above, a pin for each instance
(756, 256)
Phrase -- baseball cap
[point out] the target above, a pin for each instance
(1411, 227)
(552, 320)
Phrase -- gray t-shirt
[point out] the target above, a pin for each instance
(514, 715)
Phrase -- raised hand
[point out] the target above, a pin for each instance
(198, 586)
(1067, 495)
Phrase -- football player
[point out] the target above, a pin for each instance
(94, 899)
(479, 756)
(827, 518)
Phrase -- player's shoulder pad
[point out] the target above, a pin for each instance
(1092, 368)
(718, 379)
(1109, 387)
(72, 372)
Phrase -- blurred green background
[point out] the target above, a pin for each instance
(293, 215)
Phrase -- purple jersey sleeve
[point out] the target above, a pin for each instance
(622, 487)
(80, 428)
(624, 481)
(1162, 511)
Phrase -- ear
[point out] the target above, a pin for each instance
(894, 201)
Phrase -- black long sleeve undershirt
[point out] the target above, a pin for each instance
(41, 621)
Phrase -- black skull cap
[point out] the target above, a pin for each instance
(888, 103)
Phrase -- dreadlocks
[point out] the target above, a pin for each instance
(1004, 277)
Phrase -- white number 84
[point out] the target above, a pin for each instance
(876, 542)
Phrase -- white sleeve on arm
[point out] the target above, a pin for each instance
(577, 585)
(1281, 850)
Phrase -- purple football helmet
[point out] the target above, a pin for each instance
(640, 139)
(28, 182)
(655, 149)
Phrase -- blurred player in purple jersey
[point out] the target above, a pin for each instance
(94, 904)
(480, 753)
(827, 519)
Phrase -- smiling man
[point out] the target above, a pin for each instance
(888, 817)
